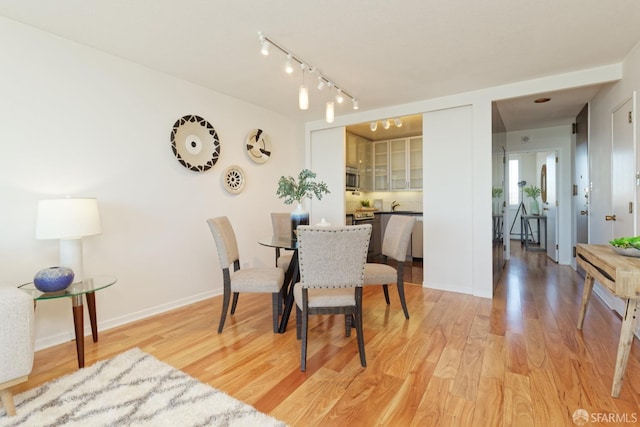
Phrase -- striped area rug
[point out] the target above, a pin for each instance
(131, 389)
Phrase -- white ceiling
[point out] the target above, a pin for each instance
(383, 53)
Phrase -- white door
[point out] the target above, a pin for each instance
(623, 179)
(581, 180)
(550, 206)
(623, 172)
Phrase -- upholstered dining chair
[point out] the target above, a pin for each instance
(281, 224)
(332, 263)
(395, 244)
(256, 279)
(17, 340)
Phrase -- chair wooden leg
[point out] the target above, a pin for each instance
(225, 304)
(305, 327)
(385, 288)
(235, 302)
(298, 323)
(359, 328)
(348, 324)
(7, 401)
(276, 307)
(400, 285)
(280, 302)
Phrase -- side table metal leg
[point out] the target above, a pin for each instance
(91, 306)
(78, 322)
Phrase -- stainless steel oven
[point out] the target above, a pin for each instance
(360, 218)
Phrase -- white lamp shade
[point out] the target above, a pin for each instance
(67, 218)
(303, 98)
(329, 113)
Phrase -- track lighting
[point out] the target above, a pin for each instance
(386, 123)
(264, 44)
(329, 112)
(303, 93)
(288, 68)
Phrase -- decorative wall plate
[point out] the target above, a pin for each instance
(233, 179)
(258, 146)
(195, 143)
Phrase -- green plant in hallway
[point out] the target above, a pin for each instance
(533, 192)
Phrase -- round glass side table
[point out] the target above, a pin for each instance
(87, 287)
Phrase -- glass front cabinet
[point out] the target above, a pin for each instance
(398, 164)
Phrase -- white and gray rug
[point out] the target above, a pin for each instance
(131, 389)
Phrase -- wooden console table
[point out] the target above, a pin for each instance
(621, 275)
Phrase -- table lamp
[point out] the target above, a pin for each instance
(68, 220)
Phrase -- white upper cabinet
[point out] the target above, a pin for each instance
(398, 164)
(358, 155)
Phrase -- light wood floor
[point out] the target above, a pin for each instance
(515, 361)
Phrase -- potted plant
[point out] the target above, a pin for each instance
(292, 190)
(496, 194)
(533, 192)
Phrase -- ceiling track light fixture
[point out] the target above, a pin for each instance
(264, 45)
(288, 68)
(303, 94)
(386, 123)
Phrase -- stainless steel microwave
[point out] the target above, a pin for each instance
(352, 179)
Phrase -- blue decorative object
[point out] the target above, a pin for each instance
(53, 279)
(298, 217)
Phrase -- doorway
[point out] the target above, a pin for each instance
(526, 172)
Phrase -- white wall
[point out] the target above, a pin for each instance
(78, 122)
(601, 108)
(448, 233)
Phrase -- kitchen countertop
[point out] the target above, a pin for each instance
(398, 212)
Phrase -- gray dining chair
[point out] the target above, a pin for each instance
(395, 244)
(281, 225)
(256, 279)
(332, 263)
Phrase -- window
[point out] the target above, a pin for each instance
(514, 190)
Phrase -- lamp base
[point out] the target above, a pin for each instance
(71, 257)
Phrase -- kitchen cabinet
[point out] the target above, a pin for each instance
(398, 164)
(358, 154)
(376, 236)
(381, 166)
(416, 238)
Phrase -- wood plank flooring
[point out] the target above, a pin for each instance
(516, 360)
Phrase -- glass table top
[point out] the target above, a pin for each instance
(283, 242)
(90, 284)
